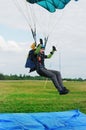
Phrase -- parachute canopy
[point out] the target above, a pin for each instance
(51, 5)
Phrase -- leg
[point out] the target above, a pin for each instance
(52, 76)
(58, 75)
(59, 78)
(55, 76)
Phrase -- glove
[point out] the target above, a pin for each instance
(41, 41)
(54, 48)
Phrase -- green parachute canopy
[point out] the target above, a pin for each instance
(51, 5)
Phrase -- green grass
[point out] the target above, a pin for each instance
(34, 96)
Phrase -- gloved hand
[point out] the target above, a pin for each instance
(41, 41)
(54, 48)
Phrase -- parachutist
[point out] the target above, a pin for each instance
(36, 62)
(54, 75)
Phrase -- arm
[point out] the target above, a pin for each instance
(52, 52)
(37, 49)
(50, 55)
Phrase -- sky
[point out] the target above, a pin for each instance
(66, 29)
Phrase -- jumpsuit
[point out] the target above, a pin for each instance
(54, 75)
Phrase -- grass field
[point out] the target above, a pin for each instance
(34, 96)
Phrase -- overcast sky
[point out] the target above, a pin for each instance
(67, 30)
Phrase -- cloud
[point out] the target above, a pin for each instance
(12, 57)
(9, 45)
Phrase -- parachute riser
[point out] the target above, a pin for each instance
(45, 41)
(34, 34)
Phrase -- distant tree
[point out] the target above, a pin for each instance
(80, 79)
(2, 77)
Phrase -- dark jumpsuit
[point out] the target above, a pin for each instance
(55, 76)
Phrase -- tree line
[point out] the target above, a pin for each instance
(20, 77)
(28, 77)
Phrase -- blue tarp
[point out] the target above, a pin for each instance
(68, 120)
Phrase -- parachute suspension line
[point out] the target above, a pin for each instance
(54, 25)
(50, 26)
(47, 36)
(34, 34)
(31, 15)
(21, 11)
(60, 60)
(20, 8)
(45, 83)
(57, 22)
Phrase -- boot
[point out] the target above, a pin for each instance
(64, 91)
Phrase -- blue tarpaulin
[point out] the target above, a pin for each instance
(68, 120)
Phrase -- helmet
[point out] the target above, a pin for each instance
(33, 46)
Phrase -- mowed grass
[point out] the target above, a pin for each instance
(39, 96)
